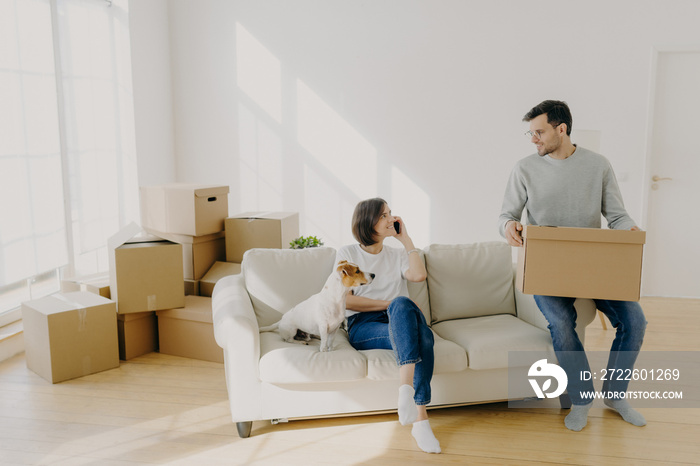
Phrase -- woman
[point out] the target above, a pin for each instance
(381, 316)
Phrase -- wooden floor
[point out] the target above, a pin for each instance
(159, 409)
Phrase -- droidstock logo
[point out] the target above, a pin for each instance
(543, 369)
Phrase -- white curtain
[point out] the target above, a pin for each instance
(67, 153)
(99, 124)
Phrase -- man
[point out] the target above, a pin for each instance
(570, 186)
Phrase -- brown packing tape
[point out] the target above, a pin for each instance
(152, 302)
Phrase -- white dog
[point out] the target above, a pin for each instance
(321, 315)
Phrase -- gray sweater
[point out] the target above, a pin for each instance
(566, 193)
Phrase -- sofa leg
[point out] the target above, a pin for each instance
(244, 428)
(565, 401)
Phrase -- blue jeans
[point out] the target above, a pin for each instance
(626, 316)
(401, 328)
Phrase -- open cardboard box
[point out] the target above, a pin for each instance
(146, 272)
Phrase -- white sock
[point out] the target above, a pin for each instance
(578, 417)
(408, 412)
(628, 413)
(425, 438)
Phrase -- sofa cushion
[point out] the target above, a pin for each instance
(469, 280)
(489, 339)
(449, 357)
(279, 279)
(291, 363)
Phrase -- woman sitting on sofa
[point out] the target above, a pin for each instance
(381, 316)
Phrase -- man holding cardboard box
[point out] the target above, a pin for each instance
(568, 186)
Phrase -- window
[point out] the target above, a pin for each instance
(67, 153)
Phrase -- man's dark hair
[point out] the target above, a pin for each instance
(364, 218)
(557, 113)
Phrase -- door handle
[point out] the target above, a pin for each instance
(656, 178)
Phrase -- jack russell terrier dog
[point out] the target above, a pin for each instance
(321, 315)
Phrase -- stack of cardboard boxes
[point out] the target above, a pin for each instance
(191, 216)
(160, 283)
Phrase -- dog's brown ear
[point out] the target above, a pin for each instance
(346, 271)
(344, 267)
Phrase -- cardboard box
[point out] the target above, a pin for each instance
(184, 209)
(191, 287)
(98, 284)
(189, 331)
(69, 335)
(259, 230)
(198, 252)
(145, 272)
(138, 334)
(218, 270)
(581, 262)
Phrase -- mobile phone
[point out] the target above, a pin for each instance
(397, 227)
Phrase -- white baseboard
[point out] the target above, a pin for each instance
(11, 344)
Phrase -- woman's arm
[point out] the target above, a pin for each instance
(416, 268)
(362, 304)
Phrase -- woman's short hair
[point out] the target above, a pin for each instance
(366, 215)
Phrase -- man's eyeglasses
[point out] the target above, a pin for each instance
(536, 134)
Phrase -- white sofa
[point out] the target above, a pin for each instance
(469, 299)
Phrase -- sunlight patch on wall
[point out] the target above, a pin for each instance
(410, 202)
(258, 73)
(336, 144)
(261, 175)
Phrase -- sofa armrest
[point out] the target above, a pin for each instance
(527, 310)
(236, 330)
(235, 325)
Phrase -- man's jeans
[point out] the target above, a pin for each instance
(401, 328)
(626, 316)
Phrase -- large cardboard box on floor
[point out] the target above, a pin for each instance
(189, 331)
(198, 252)
(259, 230)
(581, 262)
(138, 334)
(218, 271)
(69, 335)
(145, 272)
(184, 208)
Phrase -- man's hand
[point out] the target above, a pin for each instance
(513, 230)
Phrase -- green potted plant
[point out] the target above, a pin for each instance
(305, 242)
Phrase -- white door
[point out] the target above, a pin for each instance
(672, 252)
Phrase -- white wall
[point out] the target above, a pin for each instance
(153, 109)
(312, 105)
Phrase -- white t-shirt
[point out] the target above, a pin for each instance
(389, 267)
